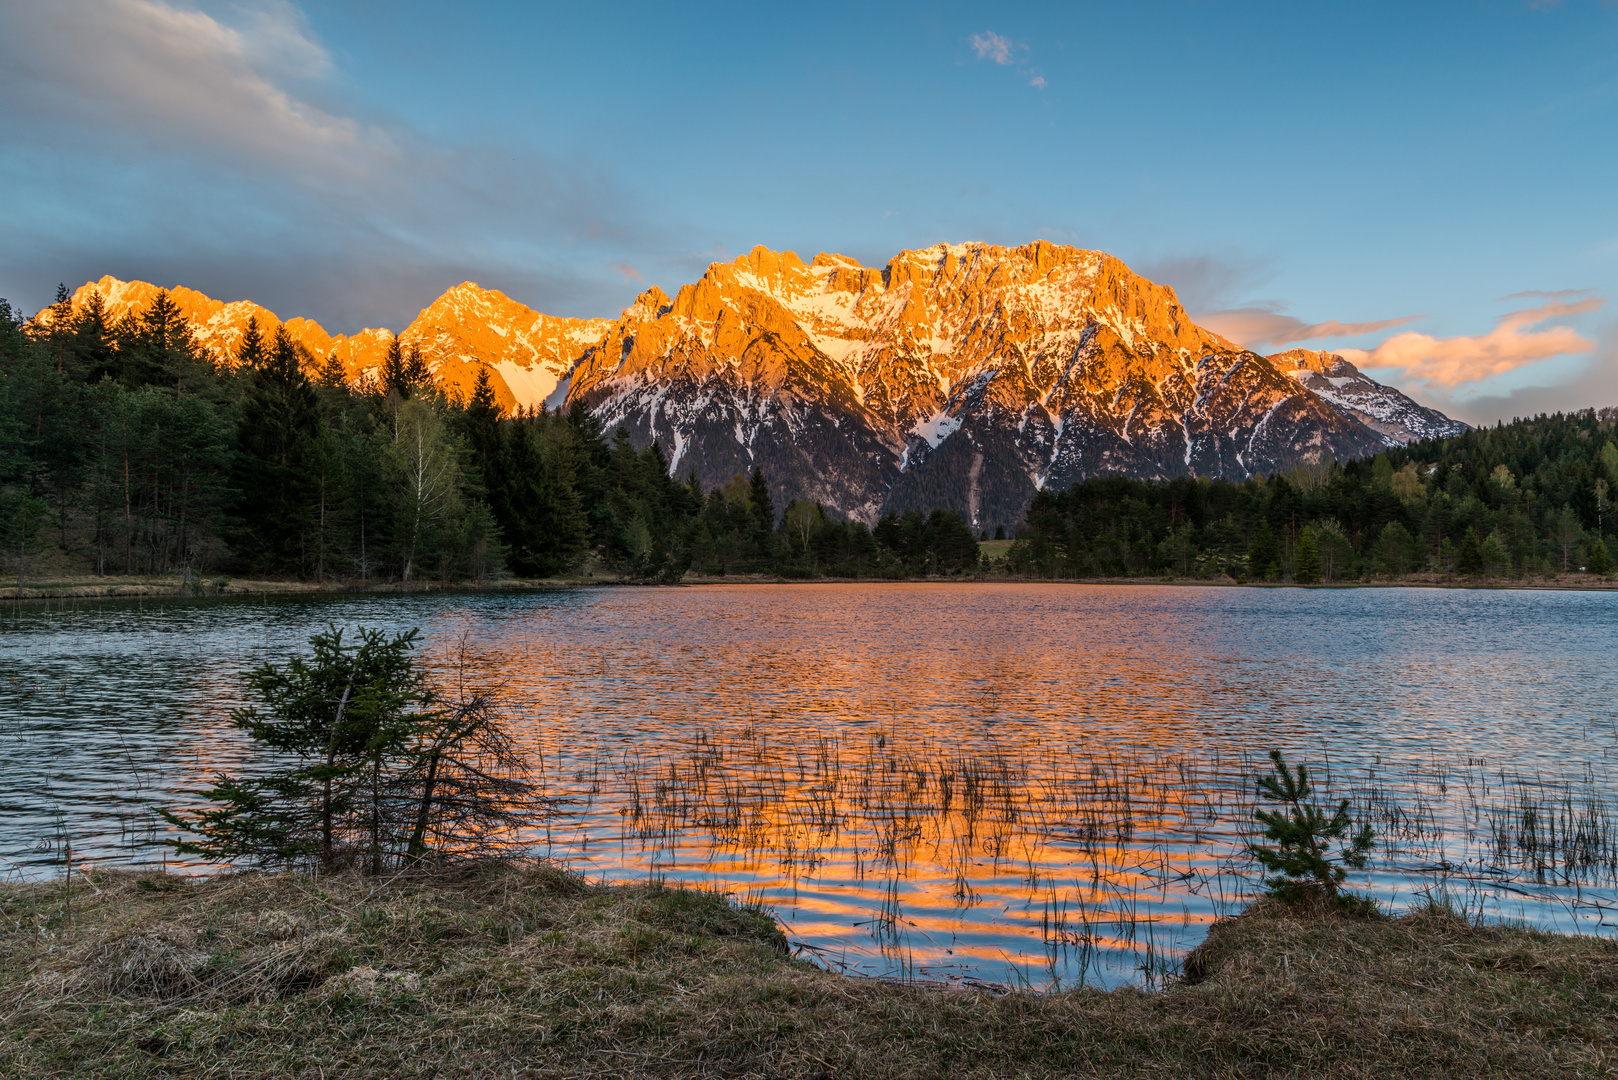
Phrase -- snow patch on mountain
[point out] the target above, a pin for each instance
(531, 385)
(936, 428)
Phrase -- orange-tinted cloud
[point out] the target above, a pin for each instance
(629, 272)
(1513, 343)
(1264, 325)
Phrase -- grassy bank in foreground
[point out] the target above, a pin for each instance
(528, 971)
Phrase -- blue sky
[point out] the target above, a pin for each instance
(1429, 188)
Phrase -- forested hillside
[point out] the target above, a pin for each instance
(125, 449)
(1533, 497)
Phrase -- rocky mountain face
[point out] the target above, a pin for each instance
(1380, 408)
(527, 352)
(965, 376)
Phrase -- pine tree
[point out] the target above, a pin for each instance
(763, 505)
(1469, 556)
(333, 376)
(1306, 562)
(168, 349)
(392, 375)
(1598, 558)
(274, 491)
(1263, 556)
(372, 765)
(482, 428)
(250, 355)
(1393, 548)
(93, 355)
(1301, 864)
(59, 333)
(591, 456)
(416, 376)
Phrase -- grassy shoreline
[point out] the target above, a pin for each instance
(174, 587)
(527, 971)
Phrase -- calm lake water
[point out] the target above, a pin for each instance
(1038, 784)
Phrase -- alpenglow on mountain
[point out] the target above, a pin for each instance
(964, 375)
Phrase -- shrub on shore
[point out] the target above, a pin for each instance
(373, 765)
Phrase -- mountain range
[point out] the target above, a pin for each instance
(959, 375)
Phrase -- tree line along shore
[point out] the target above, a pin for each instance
(126, 453)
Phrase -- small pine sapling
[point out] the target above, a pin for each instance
(1302, 864)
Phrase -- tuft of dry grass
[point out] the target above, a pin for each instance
(527, 971)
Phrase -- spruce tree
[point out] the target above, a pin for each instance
(481, 425)
(333, 376)
(250, 354)
(1469, 556)
(763, 505)
(167, 352)
(372, 765)
(93, 355)
(1306, 562)
(1302, 864)
(1263, 556)
(275, 493)
(591, 456)
(416, 376)
(404, 373)
(1598, 558)
(392, 375)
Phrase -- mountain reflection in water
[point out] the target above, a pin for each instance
(1035, 784)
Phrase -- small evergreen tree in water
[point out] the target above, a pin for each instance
(1301, 863)
(377, 766)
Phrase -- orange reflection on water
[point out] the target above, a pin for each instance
(1020, 783)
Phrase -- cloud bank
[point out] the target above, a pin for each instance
(158, 140)
(177, 79)
(1447, 363)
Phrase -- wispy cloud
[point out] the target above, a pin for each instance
(1206, 282)
(627, 272)
(1513, 343)
(1262, 326)
(1540, 294)
(999, 49)
(991, 46)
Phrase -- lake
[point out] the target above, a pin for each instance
(1032, 784)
